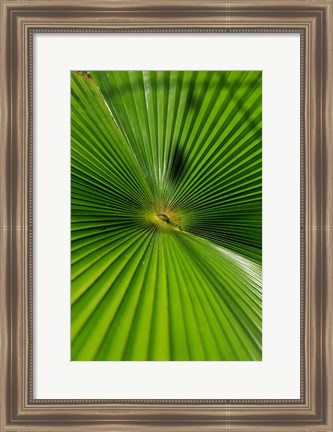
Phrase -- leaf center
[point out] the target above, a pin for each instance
(168, 220)
(163, 217)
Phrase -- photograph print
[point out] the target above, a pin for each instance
(166, 215)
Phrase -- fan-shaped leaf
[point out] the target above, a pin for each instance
(166, 216)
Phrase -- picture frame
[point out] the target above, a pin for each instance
(311, 19)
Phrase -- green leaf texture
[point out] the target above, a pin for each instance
(166, 195)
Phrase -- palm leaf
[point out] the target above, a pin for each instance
(166, 216)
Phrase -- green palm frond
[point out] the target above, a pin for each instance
(166, 216)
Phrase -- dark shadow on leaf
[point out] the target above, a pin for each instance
(177, 165)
